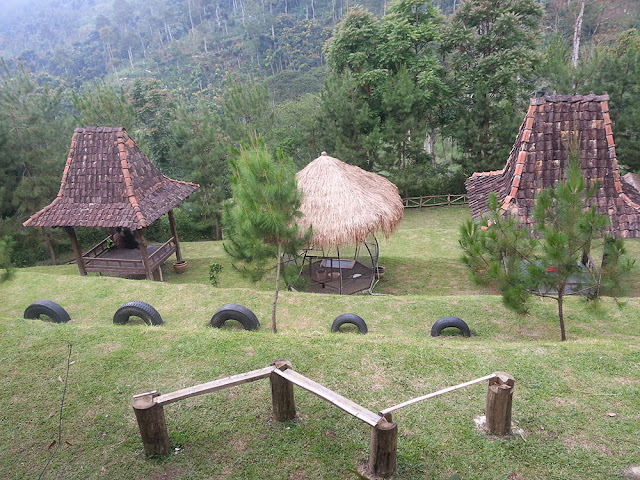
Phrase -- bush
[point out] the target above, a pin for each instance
(214, 270)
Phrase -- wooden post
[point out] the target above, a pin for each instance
(174, 234)
(383, 448)
(153, 428)
(284, 405)
(498, 406)
(144, 254)
(76, 250)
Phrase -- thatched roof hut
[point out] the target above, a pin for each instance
(345, 207)
(540, 155)
(345, 204)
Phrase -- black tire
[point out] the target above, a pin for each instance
(46, 307)
(349, 318)
(137, 309)
(447, 322)
(235, 312)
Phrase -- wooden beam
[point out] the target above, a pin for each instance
(284, 405)
(174, 234)
(142, 245)
(76, 250)
(214, 385)
(383, 449)
(330, 396)
(151, 422)
(435, 394)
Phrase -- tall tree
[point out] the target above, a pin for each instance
(260, 224)
(492, 52)
(104, 104)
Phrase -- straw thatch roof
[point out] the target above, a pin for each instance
(540, 155)
(344, 204)
(108, 182)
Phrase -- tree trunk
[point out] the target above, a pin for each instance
(577, 32)
(275, 298)
(563, 334)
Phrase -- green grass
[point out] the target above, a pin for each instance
(565, 392)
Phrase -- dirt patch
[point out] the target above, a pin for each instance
(595, 444)
(632, 473)
(299, 475)
(168, 474)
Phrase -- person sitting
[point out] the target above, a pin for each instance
(129, 240)
(118, 238)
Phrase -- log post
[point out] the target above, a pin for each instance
(153, 428)
(76, 250)
(174, 234)
(284, 405)
(142, 245)
(383, 448)
(498, 406)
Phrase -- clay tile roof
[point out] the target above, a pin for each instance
(108, 182)
(540, 154)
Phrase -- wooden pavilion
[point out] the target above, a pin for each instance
(344, 206)
(540, 155)
(108, 182)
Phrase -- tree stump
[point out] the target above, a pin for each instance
(151, 422)
(498, 405)
(284, 405)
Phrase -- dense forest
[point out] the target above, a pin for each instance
(423, 92)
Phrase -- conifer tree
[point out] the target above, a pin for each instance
(554, 261)
(260, 224)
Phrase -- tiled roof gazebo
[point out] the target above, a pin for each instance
(108, 182)
(540, 155)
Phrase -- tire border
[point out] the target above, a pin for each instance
(234, 311)
(48, 308)
(137, 308)
(447, 322)
(349, 318)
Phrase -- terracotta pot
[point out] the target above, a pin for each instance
(180, 266)
(321, 275)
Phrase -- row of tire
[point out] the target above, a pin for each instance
(231, 311)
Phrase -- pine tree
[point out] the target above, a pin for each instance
(260, 221)
(555, 260)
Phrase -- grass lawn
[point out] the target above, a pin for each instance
(576, 402)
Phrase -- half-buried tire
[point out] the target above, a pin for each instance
(349, 318)
(447, 322)
(235, 312)
(143, 310)
(51, 309)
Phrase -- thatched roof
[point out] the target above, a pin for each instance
(108, 182)
(540, 155)
(345, 204)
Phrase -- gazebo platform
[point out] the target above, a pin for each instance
(346, 281)
(126, 261)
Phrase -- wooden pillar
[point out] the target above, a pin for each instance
(284, 405)
(174, 234)
(142, 244)
(498, 406)
(76, 250)
(153, 428)
(383, 449)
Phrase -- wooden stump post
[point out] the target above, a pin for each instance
(153, 428)
(383, 449)
(284, 405)
(498, 406)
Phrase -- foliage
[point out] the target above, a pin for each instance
(260, 221)
(491, 48)
(6, 247)
(105, 105)
(554, 261)
(214, 270)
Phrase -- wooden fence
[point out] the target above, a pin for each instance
(435, 201)
(148, 408)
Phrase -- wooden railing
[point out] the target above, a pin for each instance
(96, 250)
(435, 201)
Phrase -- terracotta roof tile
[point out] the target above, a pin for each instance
(539, 156)
(107, 181)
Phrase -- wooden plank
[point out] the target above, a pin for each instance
(352, 408)
(435, 394)
(215, 385)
